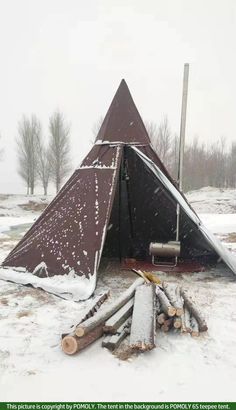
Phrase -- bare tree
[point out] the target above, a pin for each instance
(164, 141)
(231, 166)
(161, 139)
(174, 157)
(44, 165)
(152, 130)
(59, 148)
(28, 130)
(96, 127)
(195, 162)
(213, 165)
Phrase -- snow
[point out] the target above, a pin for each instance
(99, 142)
(7, 222)
(13, 214)
(212, 200)
(181, 368)
(96, 167)
(142, 319)
(11, 205)
(68, 286)
(220, 224)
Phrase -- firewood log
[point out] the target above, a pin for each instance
(177, 322)
(167, 325)
(72, 344)
(166, 306)
(112, 342)
(115, 321)
(195, 327)
(106, 340)
(190, 304)
(105, 313)
(97, 303)
(187, 320)
(158, 306)
(179, 302)
(161, 318)
(183, 326)
(142, 333)
(173, 293)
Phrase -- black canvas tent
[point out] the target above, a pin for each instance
(119, 200)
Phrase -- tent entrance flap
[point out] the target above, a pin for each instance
(120, 234)
(143, 212)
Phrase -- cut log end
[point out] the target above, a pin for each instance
(177, 323)
(161, 318)
(79, 331)
(171, 311)
(167, 325)
(195, 333)
(165, 328)
(179, 312)
(69, 345)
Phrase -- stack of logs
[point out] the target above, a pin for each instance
(176, 309)
(139, 311)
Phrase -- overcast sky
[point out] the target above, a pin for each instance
(72, 54)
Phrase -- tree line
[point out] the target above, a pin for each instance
(40, 161)
(204, 165)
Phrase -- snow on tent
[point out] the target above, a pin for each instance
(115, 204)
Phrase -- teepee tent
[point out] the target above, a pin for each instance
(119, 200)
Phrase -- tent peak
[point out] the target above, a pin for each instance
(123, 122)
(123, 82)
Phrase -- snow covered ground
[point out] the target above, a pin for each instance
(32, 366)
(213, 200)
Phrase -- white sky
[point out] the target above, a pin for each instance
(72, 54)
